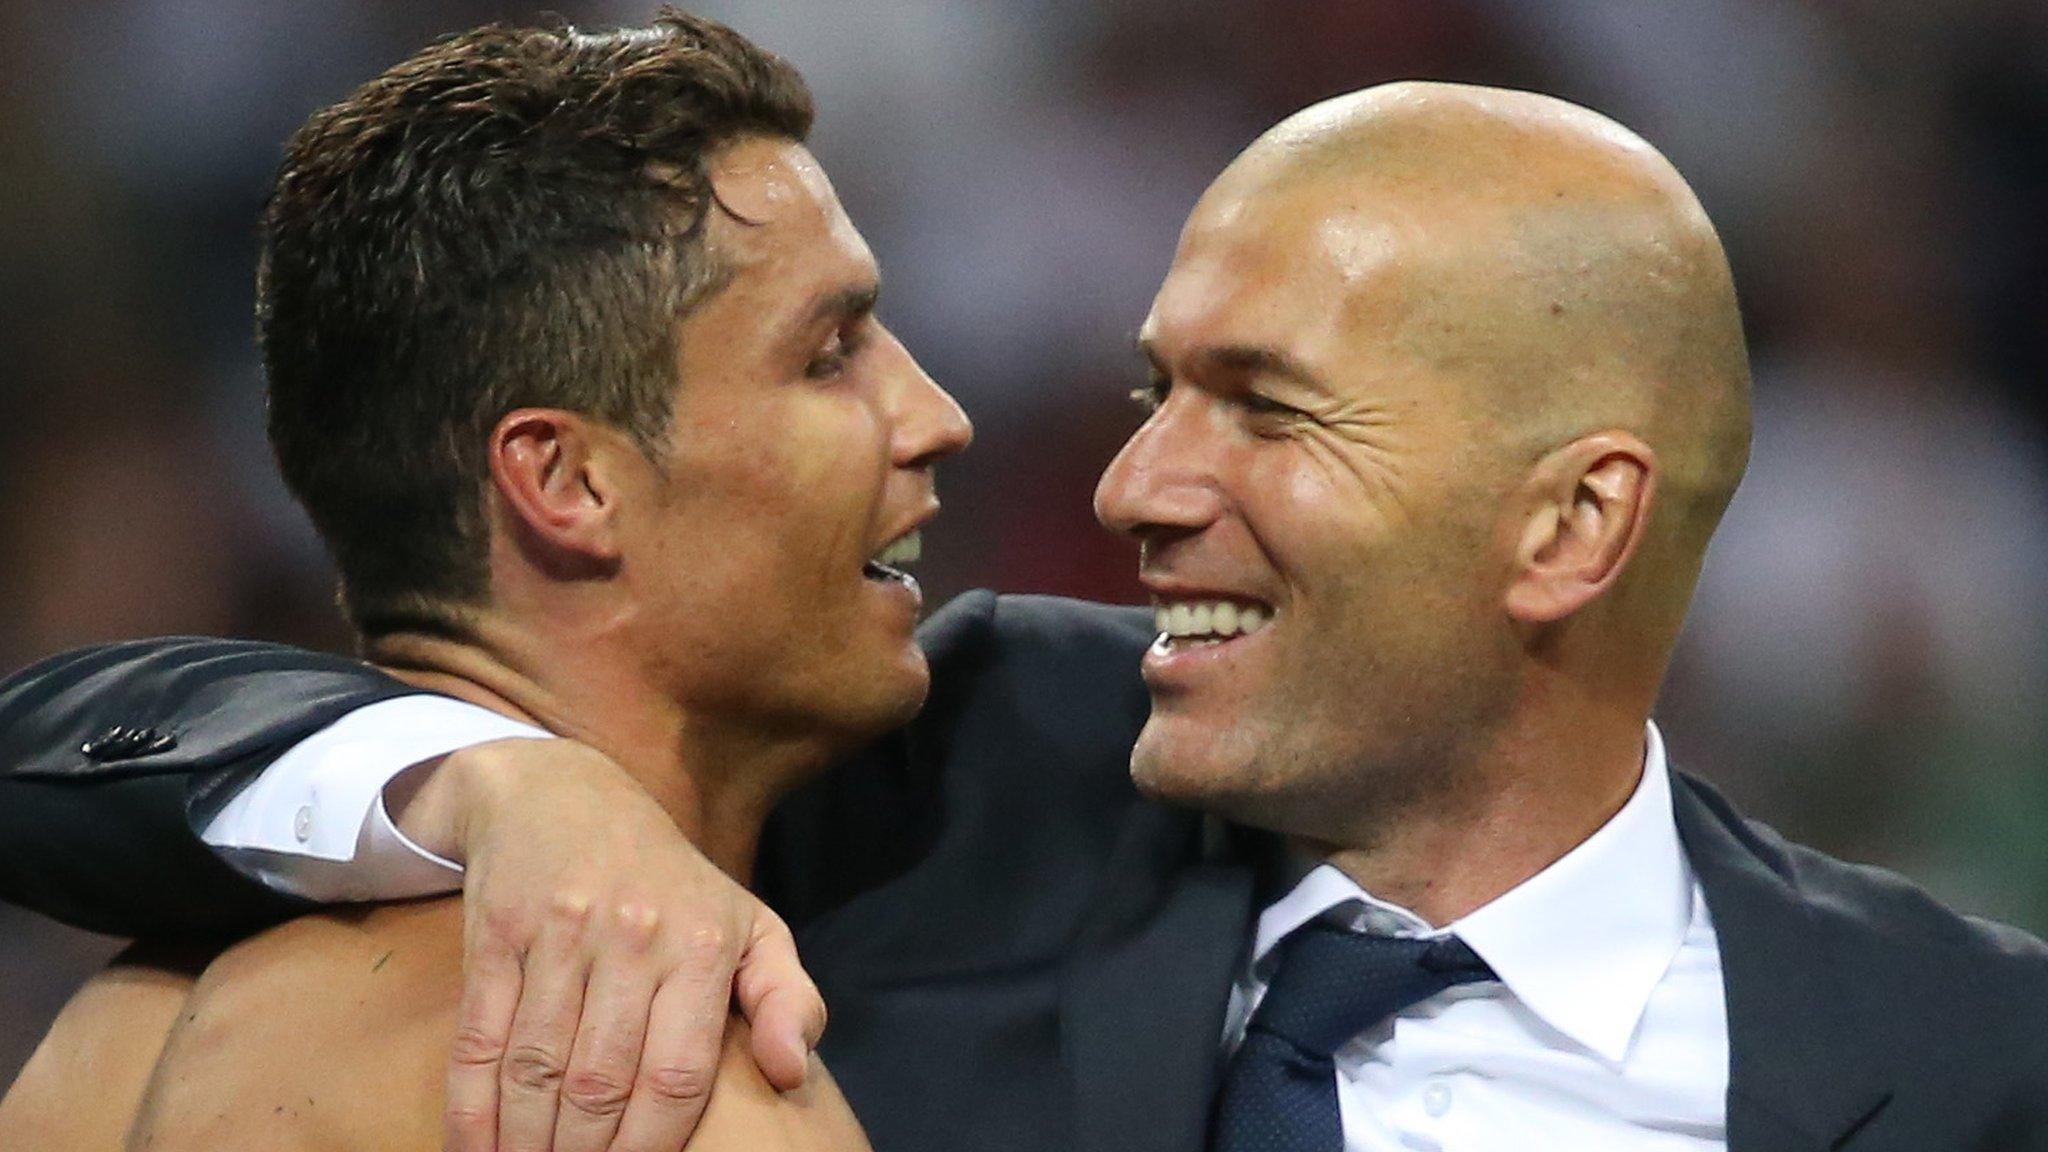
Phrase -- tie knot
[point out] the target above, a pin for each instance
(1333, 984)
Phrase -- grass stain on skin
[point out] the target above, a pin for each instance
(383, 960)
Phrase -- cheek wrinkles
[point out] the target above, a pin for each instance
(1364, 459)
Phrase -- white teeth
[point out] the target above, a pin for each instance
(1209, 618)
(1224, 618)
(906, 549)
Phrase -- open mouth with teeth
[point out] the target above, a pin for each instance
(890, 563)
(1190, 622)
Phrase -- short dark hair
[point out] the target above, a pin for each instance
(512, 217)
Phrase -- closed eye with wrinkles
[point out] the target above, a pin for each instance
(1151, 396)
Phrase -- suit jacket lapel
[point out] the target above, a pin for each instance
(1795, 1078)
(1143, 1002)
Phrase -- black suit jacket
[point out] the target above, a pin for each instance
(1018, 950)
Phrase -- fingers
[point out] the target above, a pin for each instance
(483, 1025)
(602, 953)
(685, 1031)
(543, 1029)
(783, 1043)
(606, 1058)
(778, 998)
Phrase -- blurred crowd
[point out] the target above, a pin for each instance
(1867, 664)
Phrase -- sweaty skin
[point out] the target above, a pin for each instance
(256, 1060)
(1449, 385)
(802, 442)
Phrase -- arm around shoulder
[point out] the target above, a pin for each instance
(111, 757)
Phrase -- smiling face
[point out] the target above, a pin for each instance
(800, 449)
(1449, 392)
(1308, 476)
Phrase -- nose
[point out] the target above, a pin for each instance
(1164, 479)
(929, 424)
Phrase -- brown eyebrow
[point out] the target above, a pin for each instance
(1257, 360)
(842, 305)
(1243, 360)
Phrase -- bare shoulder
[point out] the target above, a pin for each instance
(747, 1114)
(332, 1032)
(329, 1031)
(81, 1088)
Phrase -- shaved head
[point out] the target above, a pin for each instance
(1451, 393)
(1550, 261)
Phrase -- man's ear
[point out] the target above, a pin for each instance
(548, 468)
(1589, 503)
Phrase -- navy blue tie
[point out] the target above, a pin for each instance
(1280, 1094)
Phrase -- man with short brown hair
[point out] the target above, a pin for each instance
(573, 361)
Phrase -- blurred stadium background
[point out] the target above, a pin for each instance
(1867, 665)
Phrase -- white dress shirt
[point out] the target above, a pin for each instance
(313, 824)
(1607, 1030)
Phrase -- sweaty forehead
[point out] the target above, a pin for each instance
(761, 180)
(776, 200)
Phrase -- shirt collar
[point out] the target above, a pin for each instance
(1582, 944)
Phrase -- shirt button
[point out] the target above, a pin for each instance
(302, 824)
(1436, 1100)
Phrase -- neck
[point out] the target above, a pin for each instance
(716, 781)
(1533, 793)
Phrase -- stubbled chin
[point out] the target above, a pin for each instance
(1180, 759)
(1156, 770)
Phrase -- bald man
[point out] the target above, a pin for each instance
(1449, 393)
